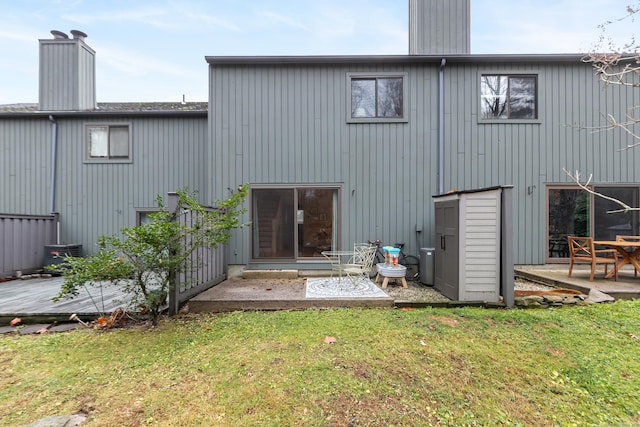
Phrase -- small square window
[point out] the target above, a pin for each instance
(508, 97)
(108, 143)
(143, 216)
(377, 98)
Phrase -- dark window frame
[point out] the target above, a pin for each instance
(509, 118)
(109, 158)
(297, 256)
(596, 207)
(376, 77)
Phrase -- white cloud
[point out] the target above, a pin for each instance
(282, 19)
(173, 18)
(136, 63)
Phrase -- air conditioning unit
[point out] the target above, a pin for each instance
(55, 254)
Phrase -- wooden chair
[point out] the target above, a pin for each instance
(629, 239)
(582, 250)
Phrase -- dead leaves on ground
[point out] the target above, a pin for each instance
(330, 340)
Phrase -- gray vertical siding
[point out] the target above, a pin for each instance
(99, 199)
(437, 27)
(529, 156)
(287, 125)
(22, 242)
(25, 156)
(86, 85)
(67, 75)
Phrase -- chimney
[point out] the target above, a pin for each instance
(438, 27)
(67, 73)
(78, 35)
(58, 35)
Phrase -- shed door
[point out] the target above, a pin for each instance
(447, 248)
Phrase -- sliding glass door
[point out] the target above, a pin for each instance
(293, 223)
(572, 211)
(607, 222)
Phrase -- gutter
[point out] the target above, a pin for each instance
(395, 59)
(443, 62)
(52, 180)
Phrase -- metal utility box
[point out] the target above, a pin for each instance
(427, 256)
(54, 254)
(473, 256)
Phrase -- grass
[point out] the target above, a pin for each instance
(451, 367)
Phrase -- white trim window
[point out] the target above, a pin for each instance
(108, 143)
(379, 97)
(508, 97)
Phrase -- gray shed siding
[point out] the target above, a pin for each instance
(273, 125)
(96, 199)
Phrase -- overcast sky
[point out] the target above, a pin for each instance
(154, 50)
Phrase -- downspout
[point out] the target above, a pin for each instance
(441, 127)
(52, 180)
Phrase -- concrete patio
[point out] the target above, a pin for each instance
(31, 299)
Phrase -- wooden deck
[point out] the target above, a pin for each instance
(627, 286)
(33, 298)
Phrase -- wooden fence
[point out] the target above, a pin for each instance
(22, 241)
(208, 266)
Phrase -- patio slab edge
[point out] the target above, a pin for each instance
(545, 280)
(220, 306)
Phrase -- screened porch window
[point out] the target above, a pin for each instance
(572, 211)
(293, 223)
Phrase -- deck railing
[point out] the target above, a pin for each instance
(22, 241)
(208, 266)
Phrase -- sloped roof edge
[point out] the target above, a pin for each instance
(115, 109)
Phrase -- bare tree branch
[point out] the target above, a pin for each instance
(585, 186)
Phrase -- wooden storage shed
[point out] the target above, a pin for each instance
(473, 258)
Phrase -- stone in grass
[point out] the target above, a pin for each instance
(529, 301)
(598, 296)
(553, 298)
(60, 421)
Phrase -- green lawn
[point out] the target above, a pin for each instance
(575, 366)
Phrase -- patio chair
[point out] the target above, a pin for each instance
(582, 250)
(629, 239)
(361, 263)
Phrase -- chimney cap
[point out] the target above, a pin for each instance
(59, 34)
(77, 34)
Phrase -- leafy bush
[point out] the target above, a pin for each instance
(146, 260)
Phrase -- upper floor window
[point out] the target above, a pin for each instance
(377, 97)
(108, 143)
(508, 97)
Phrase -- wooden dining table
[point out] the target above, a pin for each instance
(628, 251)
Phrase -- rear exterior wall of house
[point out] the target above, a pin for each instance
(102, 197)
(281, 125)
